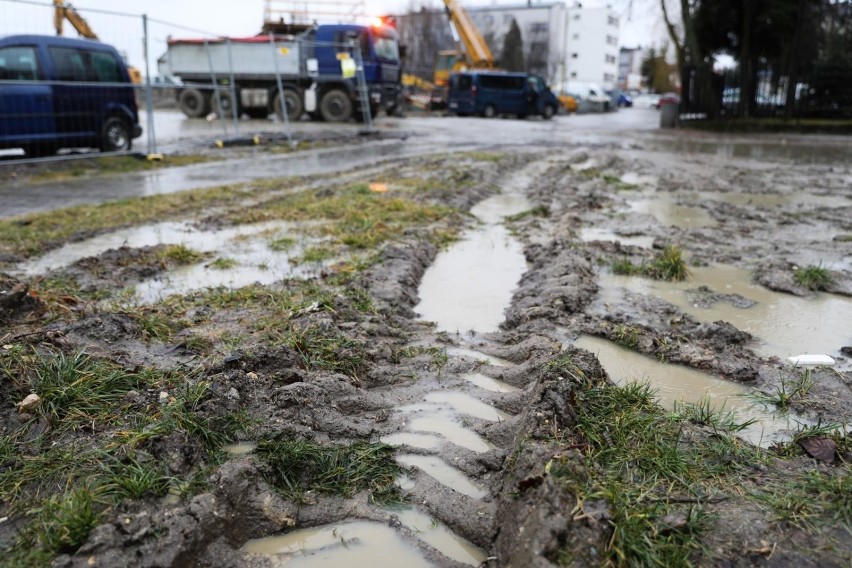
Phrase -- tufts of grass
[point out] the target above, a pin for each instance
(321, 350)
(223, 264)
(317, 254)
(538, 211)
(179, 254)
(785, 393)
(667, 265)
(282, 244)
(813, 277)
(627, 336)
(79, 390)
(134, 480)
(298, 466)
(718, 419)
(812, 501)
(64, 522)
(154, 326)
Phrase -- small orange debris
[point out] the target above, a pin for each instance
(378, 187)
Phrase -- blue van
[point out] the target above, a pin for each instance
(489, 93)
(61, 93)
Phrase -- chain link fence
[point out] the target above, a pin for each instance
(147, 85)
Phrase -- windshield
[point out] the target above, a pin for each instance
(386, 48)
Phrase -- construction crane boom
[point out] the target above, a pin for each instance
(476, 50)
(62, 12)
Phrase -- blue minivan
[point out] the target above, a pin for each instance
(490, 93)
(64, 93)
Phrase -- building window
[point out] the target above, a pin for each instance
(612, 20)
(575, 36)
(608, 77)
(612, 40)
(573, 74)
(576, 16)
(573, 56)
(538, 27)
(609, 58)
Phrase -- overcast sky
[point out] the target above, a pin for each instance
(640, 22)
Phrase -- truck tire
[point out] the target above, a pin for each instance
(223, 104)
(193, 103)
(293, 102)
(336, 106)
(116, 135)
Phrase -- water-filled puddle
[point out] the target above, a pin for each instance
(422, 441)
(360, 544)
(785, 325)
(634, 178)
(588, 234)
(444, 474)
(665, 210)
(246, 245)
(452, 431)
(796, 153)
(470, 284)
(487, 383)
(677, 384)
(466, 404)
(440, 537)
(478, 356)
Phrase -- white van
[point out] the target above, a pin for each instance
(589, 96)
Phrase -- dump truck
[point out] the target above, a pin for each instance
(316, 69)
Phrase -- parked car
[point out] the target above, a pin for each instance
(64, 93)
(490, 93)
(589, 97)
(646, 100)
(620, 98)
(668, 99)
(568, 102)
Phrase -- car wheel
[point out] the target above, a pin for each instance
(293, 102)
(116, 135)
(336, 106)
(489, 112)
(193, 103)
(548, 113)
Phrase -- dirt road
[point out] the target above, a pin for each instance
(502, 343)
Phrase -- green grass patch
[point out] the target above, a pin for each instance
(223, 264)
(666, 265)
(538, 211)
(282, 244)
(813, 500)
(321, 350)
(616, 182)
(298, 466)
(35, 233)
(114, 165)
(318, 253)
(359, 218)
(813, 277)
(180, 254)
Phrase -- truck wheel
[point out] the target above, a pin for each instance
(336, 106)
(222, 105)
(115, 135)
(193, 103)
(548, 113)
(489, 112)
(293, 102)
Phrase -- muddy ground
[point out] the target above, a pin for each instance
(515, 447)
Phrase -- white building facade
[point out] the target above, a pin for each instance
(563, 42)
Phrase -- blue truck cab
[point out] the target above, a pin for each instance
(380, 55)
(63, 93)
(491, 93)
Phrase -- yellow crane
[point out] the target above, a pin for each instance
(63, 11)
(472, 51)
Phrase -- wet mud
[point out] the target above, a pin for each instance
(472, 357)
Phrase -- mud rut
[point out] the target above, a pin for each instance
(476, 428)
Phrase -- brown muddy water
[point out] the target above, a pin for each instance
(589, 234)
(785, 325)
(667, 211)
(470, 284)
(676, 384)
(247, 245)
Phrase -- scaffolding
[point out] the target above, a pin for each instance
(294, 13)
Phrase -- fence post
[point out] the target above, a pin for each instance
(215, 86)
(234, 102)
(149, 97)
(285, 113)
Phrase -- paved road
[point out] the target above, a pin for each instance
(401, 137)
